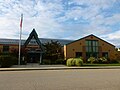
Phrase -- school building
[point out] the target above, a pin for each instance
(85, 47)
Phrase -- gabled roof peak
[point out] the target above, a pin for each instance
(33, 30)
(33, 34)
(92, 34)
(89, 36)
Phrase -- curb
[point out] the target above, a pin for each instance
(56, 68)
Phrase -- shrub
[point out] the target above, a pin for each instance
(96, 61)
(14, 60)
(6, 60)
(59, 61)
(0, 63)
(78, 62)
(103, 60)
(91, 59)
(74, 62)
(69, 62)
(46, 61)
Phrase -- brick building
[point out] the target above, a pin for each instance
(90, 46)
(32, 48)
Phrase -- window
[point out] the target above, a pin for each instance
(78, 54)
(6, 48)
(91, 48)
(105, 54)
(33, 41)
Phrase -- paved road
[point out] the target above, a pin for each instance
(90, 79)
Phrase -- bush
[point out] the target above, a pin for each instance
(7, 60)
(59, 61)
(103, 60)
(74, 62)
(0, 62)
(46, 61)
(70, 62)
(78, 62)
(91, 59)
(96, 61)
(4, 61)
(14, 60)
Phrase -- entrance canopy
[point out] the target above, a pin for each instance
(33, 43)
(33, 48)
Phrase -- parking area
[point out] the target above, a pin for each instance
(81, 79)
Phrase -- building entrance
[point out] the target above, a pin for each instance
(33, 57)
(33, 48)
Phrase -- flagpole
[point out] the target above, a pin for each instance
(19, 47)
(20, 39)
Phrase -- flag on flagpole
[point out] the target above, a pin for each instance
(21, 20)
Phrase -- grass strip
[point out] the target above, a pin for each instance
(85, 65)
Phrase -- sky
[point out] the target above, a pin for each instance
(61, 19)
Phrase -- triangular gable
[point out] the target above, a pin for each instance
(34, 35)
(90, 36)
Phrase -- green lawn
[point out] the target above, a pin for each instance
(118, 64)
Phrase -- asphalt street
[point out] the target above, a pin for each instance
(81, 79)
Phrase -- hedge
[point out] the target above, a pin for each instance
(74, 62)
(7, 60)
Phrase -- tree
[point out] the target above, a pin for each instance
(53, 51)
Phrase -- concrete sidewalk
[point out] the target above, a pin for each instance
(52, 67)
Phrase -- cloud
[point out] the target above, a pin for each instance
(37, 15)
(113, 37)
(66, 19)
(8, 31)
